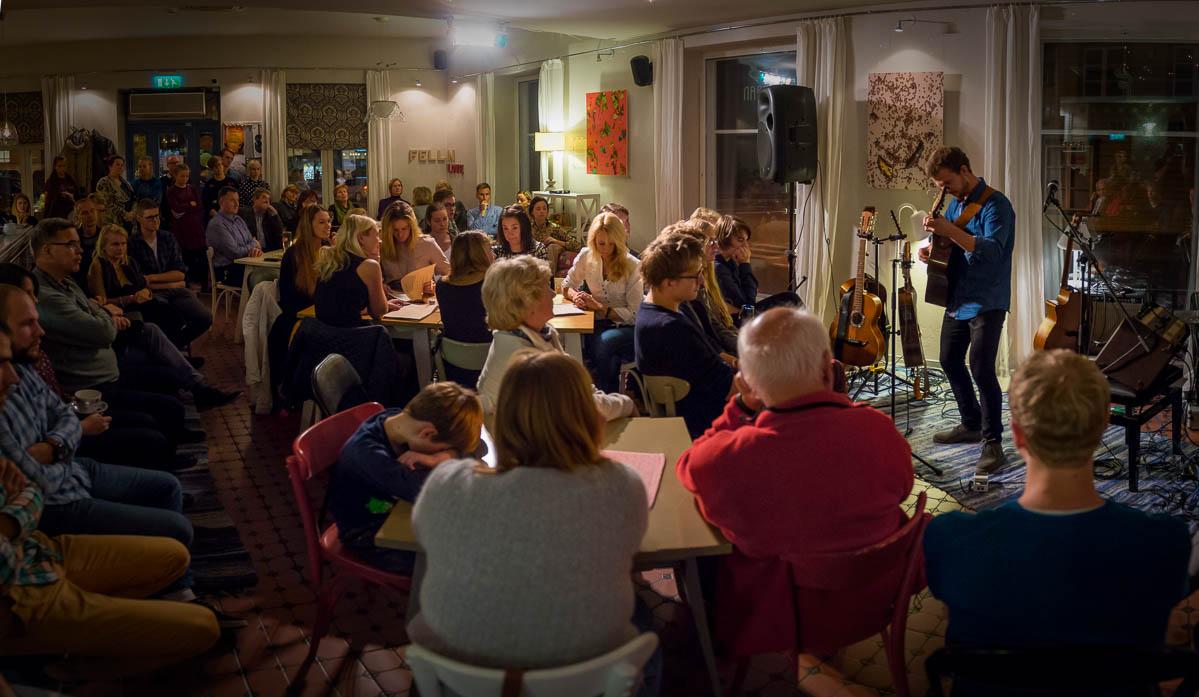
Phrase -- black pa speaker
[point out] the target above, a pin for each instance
(441, 60)
(787, 133)
(643, 71)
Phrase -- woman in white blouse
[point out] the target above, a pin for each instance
(605, 280)
(520, 303)
(405, 249)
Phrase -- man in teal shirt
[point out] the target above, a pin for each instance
(485, 216)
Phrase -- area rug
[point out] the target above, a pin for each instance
(220, 562)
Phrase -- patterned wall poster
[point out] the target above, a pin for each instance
(608, 132)
(905, 124)
(245, 139)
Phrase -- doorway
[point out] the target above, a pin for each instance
(192, 140)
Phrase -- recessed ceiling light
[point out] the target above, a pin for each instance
(454, 81)
(418, 83)
(382, 20)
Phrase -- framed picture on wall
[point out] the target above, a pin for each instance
(608, 133)
(245, 140)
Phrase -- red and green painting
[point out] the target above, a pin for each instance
(608, 132)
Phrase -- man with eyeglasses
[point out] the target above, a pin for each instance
(667, 343)
(160, 261)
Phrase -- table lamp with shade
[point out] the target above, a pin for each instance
(550, 142)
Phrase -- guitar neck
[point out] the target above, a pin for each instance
(1066, 264)
(859, 283)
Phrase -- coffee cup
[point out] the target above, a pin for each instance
(87, 401)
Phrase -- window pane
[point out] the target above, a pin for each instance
(37, 172)
(351, 171)
(10, 179)
(737, 83)
(304, 170)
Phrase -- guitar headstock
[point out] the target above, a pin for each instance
(939, 202)
(866, 222)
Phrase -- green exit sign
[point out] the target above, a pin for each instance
(166, 82)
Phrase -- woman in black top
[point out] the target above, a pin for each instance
(349, 278)
(61, 191)
(297, 283)
(460, 297)
(217, 180)
(114, 279)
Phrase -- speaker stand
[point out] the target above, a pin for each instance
(792, 194)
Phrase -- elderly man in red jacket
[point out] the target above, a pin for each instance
(793, 468)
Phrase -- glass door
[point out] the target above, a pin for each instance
(191, 141)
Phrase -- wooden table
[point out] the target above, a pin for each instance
(572, 328)
(676, 536)
(270, 261)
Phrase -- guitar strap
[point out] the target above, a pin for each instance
(973, 208)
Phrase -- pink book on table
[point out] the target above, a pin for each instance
(648, 465)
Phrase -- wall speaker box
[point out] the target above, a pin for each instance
(643, 71)
(441, 60)
(787, 133)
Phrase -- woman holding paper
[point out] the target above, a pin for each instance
(405, 249)
(349, 280)
(520, 303)
(604, 280)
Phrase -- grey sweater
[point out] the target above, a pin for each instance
(530, 568)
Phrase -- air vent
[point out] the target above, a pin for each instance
(156, 105)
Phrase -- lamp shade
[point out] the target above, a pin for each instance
(549, 141)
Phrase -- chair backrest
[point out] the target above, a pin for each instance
(1075, 670)
(212, 276)
(663, 392)
(314, 451)
(614, 674)
(468, 356)
(332, 379)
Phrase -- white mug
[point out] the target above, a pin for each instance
(87, 401)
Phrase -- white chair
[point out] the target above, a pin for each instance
(615, 674)
(663, 392)
(460, 354)
(220, 291)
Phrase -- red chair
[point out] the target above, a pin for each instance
(845, 597)
(314, 451)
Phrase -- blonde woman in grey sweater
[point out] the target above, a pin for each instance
(529, 563)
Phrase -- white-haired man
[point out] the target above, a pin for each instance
(791, 468)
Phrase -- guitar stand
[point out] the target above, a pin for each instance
(892, 328)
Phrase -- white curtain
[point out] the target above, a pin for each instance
(58, 109)
(378, 166)
(668, 136)
(485, 129)
(820, 64)
(274, 128)
(1012, 157)
(551, 116)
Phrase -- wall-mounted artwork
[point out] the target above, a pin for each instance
(905, 124)
(244, 138)
(608, 133)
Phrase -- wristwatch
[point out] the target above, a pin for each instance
(59, 447)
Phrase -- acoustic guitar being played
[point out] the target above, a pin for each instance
(909, 328)
(940, 252)
(1063, 314)
(857, 334)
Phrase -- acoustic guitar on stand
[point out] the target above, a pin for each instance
(857, 334)
(909, 328)
(1063, 314)
(940, 252)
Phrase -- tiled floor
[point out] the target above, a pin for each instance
(361, 656)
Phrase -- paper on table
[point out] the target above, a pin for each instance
(648, 465)
(564, 309)
(415, 281)
(413, 312)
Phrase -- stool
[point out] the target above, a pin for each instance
(1142, 405)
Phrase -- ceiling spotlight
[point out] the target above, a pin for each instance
(418, 83)
(454, 81)
(899, 26)
(83, 87)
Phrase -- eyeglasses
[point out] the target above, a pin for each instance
(699, 277)
(73, 245)
(148, 218)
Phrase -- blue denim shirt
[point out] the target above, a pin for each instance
(489, 223)
(981, 281)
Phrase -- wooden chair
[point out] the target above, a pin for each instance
(460, 354)
(662, 393)
(220, 291)
(614, 674)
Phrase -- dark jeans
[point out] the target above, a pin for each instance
(197, 266)
(167, 411)
(148, 360)
(607, 347)
(230, 275)
(124, 501)
(132, 439)
(194, 318)
(980, 336)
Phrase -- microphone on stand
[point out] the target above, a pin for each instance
(1050, 195)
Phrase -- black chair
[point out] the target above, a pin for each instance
(1142, 405)
(1062, 671)
(336, 386)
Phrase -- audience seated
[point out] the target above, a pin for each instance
(262, 219)
(422, 196)
(236, 171)
(1060, 566)
(81, 335)
(388, 460)
(113, 279)
(141, 434)
(340, 208)
(405, 249)
(523, 199)
(87, 220)
(20, 223)
(734, 274)
(460, 297)
(251, 183)
(288, 207)
(157, 255)
(349, 278)
(620, 212)
(436, 224)
(667, 343)
(84, 595)
(230, 239)
(790, 468)
(458, 221)
(554, 504)
(187, 209)
(605, 280)
(485, 216)
(307, 198)
(297, 283)
(520, 303)
(114, 192)
(516, 235)
(545, 232)
(709, 307)
(395, 191)
(218, 179)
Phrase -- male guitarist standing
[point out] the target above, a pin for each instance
(980, 222)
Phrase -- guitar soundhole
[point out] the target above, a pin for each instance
(857, 319)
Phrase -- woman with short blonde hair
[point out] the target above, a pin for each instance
(553, 502)
(405, 249)
(605, 281)
(349, 278)
(520, 303)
